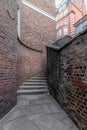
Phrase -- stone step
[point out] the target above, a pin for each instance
(34, 80)
(32, 87)
(31, 92)
(40, 78)
(41, 75)
(35, 83)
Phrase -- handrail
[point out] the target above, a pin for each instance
(40, 51)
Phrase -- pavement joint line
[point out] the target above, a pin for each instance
(2, 120)
(15, 119)
(36, 125)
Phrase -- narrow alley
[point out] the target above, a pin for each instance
(43, 65)
(36, 110)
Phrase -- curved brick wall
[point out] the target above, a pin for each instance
(37, 30)
(29, 62)
(17, 61)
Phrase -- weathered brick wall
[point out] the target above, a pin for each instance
(8, 56)
(29, 63)
(36, 29)
(74, 80)
(71, 91)
(53, 69)
(17, 61)
(46, 5)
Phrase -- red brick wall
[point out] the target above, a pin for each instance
(80, 5)
(73, 79)
(37, 31)
(29, 63)
(67, 69)
(46, 5)
(8, 56)
(17, 61)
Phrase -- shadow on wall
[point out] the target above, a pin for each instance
(67, 69)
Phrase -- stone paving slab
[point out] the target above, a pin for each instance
(16, 113)
(60, 115)
(39, 112)
(20, 124)
(48, 122)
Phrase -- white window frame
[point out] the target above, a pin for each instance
(65, 31)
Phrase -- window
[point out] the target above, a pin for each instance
(65, 12)
(60, 32)
(61, 15)
(60, 9)
(65, 31)
(64, 6)
(66, 21)
(57, 26)
(57, 17)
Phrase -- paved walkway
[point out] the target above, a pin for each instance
(38, 112)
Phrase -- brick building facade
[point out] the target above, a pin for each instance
(18, 60)
(81, 24)
(68, 13)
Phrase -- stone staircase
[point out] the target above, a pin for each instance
(35, 85)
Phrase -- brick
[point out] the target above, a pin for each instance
(17, 61)
(67, 69)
